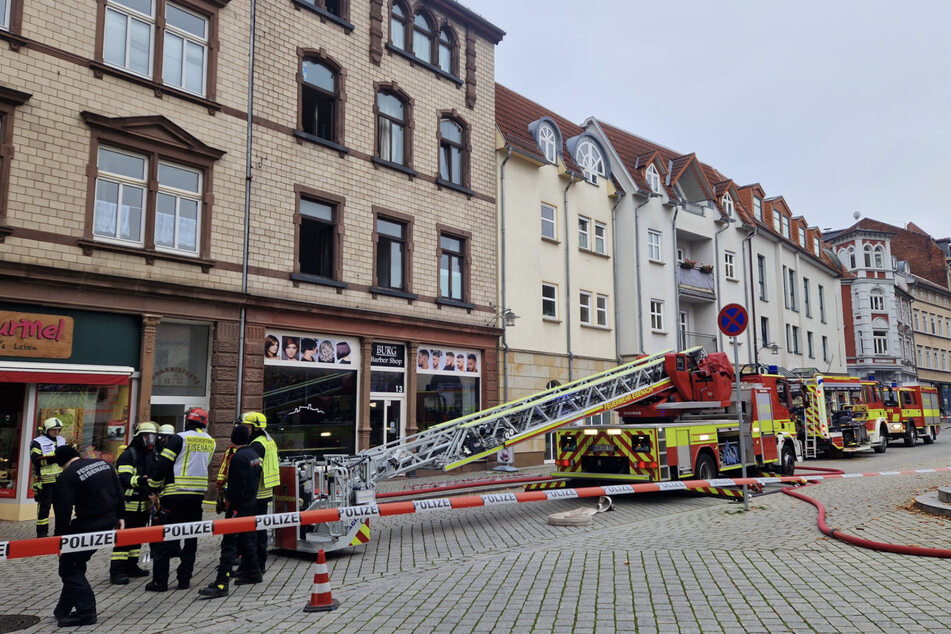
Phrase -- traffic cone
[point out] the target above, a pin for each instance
(320, 598)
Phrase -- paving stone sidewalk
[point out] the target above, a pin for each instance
(659, 563)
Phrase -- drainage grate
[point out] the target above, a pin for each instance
(17, 622)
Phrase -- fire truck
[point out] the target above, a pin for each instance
(911, 412)
(834, 421)
(348, 482)
(687, 426)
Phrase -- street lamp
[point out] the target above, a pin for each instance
(507, 315)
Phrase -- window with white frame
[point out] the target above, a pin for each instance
(653, 245)
(879, 257)
(809, 345)
(880, 341)
(822, 304)
(589, 158)
(549, 224)
(851, 255)
(680, 256)
(764, 330)
(584, 233)
(806, 303)
(601, 310)
(653, 179)
(789, 287)
(944, 360)
(761, 272)
(657, 315)
(584, 303)
(786, 226)
(825, 348)
(549, 301)
(802, 237)
(729, 265)
(548, 142)
(129, 42)
(727, 203)
(792, 339)
(919, 350)
(932, 325)
(758, 208)
(815, 245)
(868, 256)
(877, 300)
(600, 238)
(121, 209)
(5, 14)
(777, 221)
(914, 316)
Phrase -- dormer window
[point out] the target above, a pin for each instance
(777, 223)
(785, 220)
(548, 142)
(758, 208)
(590, 159)
(802, 237)
(727, 204)
(815, 245)
(653, 179)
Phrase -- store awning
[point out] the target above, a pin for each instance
(62, 373)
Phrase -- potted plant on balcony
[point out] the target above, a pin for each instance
(688, 263)
(706, 268)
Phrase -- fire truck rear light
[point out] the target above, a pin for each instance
(564, 463)
(641, 464)
(591, 432)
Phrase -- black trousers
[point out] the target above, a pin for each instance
(175, 510)
(130, 554)
(243, 545)
(262, 535)
(77, 593)
(44, 500)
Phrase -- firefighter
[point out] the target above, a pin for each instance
(243, 479)
(89, 485)
(45, 471)
(132, 466)
(178, 482)
(262, 442)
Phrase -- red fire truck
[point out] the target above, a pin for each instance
(912, 412)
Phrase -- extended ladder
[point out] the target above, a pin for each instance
(463, 440)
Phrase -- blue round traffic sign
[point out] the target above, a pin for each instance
(732, 320)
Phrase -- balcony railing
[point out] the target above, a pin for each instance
(691, 339)
(696, 283)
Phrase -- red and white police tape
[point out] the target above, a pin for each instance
(208, 528)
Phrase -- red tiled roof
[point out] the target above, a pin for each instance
(513, 113)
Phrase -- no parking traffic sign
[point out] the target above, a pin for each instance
(732, 320)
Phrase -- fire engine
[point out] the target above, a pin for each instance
(834, 420)
(348, 482)
(911, 412)
(686, 425)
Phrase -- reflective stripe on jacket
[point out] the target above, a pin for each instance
(190, 470)
(270, 472)
(42, 452)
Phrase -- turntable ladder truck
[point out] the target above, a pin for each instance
(336, 481)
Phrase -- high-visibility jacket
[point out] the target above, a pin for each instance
(42, 454)
(132, 465)
(188, 453)
(265, 447)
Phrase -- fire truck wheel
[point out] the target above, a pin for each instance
(883, 443)
(911, 435)
(929, 436)
(787, 462)
(706, 467)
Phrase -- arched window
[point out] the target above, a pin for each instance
(445, 47)
(391, 128)
(319, 95)
(879, 257)
(877, 300)
(868, 256)
(548, 142)
(852, 258)
(422, 38)
(590, 159)
(727, 203)
(653, 179)
(398, 24)
(453, 157)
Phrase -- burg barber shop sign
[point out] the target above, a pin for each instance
(34, 335)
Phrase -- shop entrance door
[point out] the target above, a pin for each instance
(386, 420)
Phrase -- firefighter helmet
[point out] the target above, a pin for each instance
(255, 419)
(52, 423)
(197, 416)
(146, 427)
(166, 430)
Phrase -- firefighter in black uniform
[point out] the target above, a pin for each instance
(91, 486)
(266, 449)
(132, 466)
(244, 476)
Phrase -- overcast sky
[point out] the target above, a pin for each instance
(837, 105)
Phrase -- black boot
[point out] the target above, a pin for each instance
(132, 568)
(217, 588)
(117, 572)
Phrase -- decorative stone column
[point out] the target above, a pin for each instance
(147, 366)
(363, 415)
(412, 349)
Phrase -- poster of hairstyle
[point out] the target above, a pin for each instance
(433, 359)
(306, 349)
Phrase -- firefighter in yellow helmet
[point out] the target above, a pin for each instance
(266, 448)
(45, 471)
(132, 466)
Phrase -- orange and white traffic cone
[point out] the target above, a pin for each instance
(320, 598)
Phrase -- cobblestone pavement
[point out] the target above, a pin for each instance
(658, 563)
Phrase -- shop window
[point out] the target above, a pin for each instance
(167, 43)
(95, 417)
(11, 420)
(449, 389)
(321, 104)
(180, 370)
